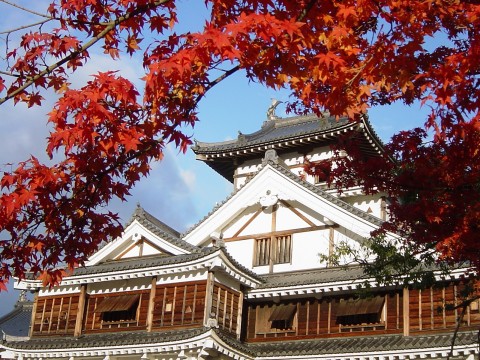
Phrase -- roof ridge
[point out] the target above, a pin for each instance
(160, 228)
(334, 199)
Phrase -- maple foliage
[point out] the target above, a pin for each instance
(341, 56)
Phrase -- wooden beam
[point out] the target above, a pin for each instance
(80, 311)
(68, 313)
(240, 315)
(50, 320)
(43, 314)
(273, 242)
(248, 222)
(184, 303)
(329, 316)
(420, 324)
(298, 213)
(280, 233)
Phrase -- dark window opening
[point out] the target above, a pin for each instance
(282, 317)
(358, 319)
(119, 316)
(360, 311)
(282, 324)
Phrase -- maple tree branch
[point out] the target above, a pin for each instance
(233, 70)
(25, 26)
(211, 84)
(306, 10)
(9, 74)
(111, 25)
(460, 317)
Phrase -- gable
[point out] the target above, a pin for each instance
(139, 240)
(302, 204)
(141, 247)
(278, 212)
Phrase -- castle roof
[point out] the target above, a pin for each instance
(15, 324)
(354, 347)
(284, 134)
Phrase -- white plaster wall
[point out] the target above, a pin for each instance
(227, 281)
(294, 160)
(242, 251)
(133, 252)
(366, 203)
(306, 248)
(142, 283)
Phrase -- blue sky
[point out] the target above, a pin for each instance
(180, 190)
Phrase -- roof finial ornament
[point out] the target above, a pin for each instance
(23, 296)
(271, 110)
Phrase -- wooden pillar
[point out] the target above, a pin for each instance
(80, 311)
(273, 238)
(208, 298)
(34, 311)
(240, 314)
(406, 312)
(331, 245)
(151, 303)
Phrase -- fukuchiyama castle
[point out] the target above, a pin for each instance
(246, 282)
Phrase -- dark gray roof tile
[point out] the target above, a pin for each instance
(106, 339)
(161, 229)
(142, 262)
(281, 134)
(17, 322)
(360, 344)
(310, 277)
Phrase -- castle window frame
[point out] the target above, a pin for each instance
(119, 309)
(276, 318)
(272, 250)
(360, 313)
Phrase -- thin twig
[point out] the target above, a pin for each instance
(464, 306)
(25, 9)
(25, 26)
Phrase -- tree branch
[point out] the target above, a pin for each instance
(25, 26)
(25, 9)
(109, 27)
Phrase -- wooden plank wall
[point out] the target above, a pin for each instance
(433, 308)
(55, 315)
(225, 306)
(179, 305)
(317, 318)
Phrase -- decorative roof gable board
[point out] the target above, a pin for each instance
(143, 227)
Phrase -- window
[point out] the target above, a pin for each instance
(282, 317)
(119, 308)
(277, 318)
(360, 311)
(275, 250)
